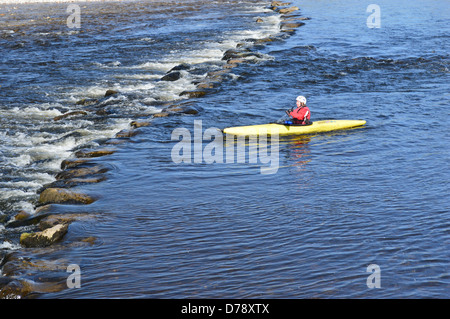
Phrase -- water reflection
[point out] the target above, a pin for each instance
(297, 151)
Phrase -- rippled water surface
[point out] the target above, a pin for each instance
(337, 203)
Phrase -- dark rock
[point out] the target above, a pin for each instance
(251, 54)
(161, 114)
(3, 218)
(205, 85)
(173, 76)
(126, 133)
(15, 289)
(231, 54)
(213, 74)
(81, 172)
(87, 102)
(180, 67)
(71, 163)
(93, 153)
(110, 92)
(193, 94)
(290, 25)
(288, 31)
(22, 215)
(114, 141)
(70, 114)
(137, 124)
(230, 66)
(40, 213)
(103, 112)
(91, 240)
(64, 219)
(3, 258)
(264, 40)
(67, 183)
(181, 109)
(4, 281)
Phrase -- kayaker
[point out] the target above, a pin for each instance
(301, 115)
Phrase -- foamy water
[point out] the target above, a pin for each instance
(35, 144)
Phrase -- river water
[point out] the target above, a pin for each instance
(335, 204)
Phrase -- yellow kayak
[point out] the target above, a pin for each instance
(280, 129)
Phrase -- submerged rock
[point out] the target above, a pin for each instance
(91, 240)
(114, 141)
(181, 109)
(193, 94)
(72, 182)
(231, 54)
(70, 163)
(81, 172)
(126, 134)
(205, 85)
(93, 153)
(137, 124)
(87, 102)
(161, 114)
(40, 213)
(69, 114)
(214, 74)
(235, 61)
(22, 215)
(4, 281)
(15, 289)
(279, 4)
(63, 219)
(22, 276)
(230, 65)
(103, 112)
(44, 238)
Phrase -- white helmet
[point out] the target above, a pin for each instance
(301, 99)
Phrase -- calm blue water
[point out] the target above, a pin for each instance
(338, 203)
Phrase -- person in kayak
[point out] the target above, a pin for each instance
(301, 115)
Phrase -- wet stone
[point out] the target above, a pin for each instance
(61, 195)
(93, 153)
(173, 76)
(44, 238)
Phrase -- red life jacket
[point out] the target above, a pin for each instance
(302, 115)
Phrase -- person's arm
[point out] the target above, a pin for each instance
(290, 111)
(305, 117)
